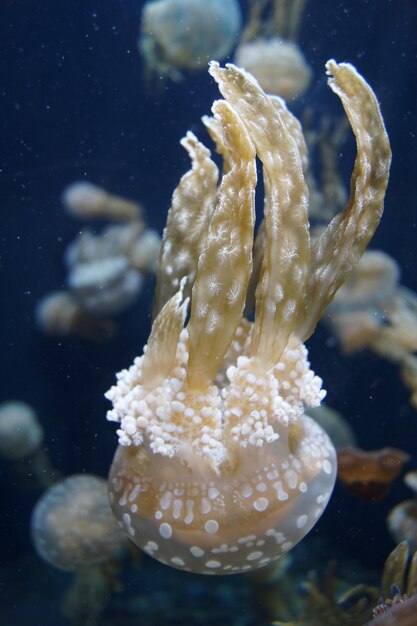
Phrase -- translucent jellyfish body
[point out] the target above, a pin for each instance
(72, 524)
(20, 431)
(247, 512)
(219, 470)
(181, 35)
(59, 314)
(279, 66)
(106, 286)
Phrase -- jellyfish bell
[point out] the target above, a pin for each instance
(369, 474)
(21, 434)
(181, 35)
(279, 66)
(59, 314)
(238, 501)
(72, 525)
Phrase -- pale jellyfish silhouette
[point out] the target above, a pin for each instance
(21, 442)
(72, 524)
(279, 66)
(179, 35)
(268, 48)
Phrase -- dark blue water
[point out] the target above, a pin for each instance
(73, 106)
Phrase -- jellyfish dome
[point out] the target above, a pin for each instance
(187, 34)
(20, 431)
(72, 524)
(279, 66)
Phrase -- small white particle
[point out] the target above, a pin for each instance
(246, 539)
(166, 500)
(134, 493)
(253, 556)
(302, 521)
(196, 551)
(247, 491)
(211, 526)
(158, 514)
(261, 504)
(213, 564)
(177, 561)
(165, 530)
(327, 466)
(177, 506)
(213, 493)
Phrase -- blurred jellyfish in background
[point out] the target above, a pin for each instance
(85, 200)
(178, 35)
(372, 310)
(59, 314)
(106, 270)
(268, 48)
(369, 474)
(72, 524)
(73, 529)
(21, 439)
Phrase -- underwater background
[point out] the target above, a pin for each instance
(75, 106)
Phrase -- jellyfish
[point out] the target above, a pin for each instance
(58, 314)
(373, 310)
(21, 434)
(84, 200)
(369, 474)
(178, 35)
(268, 49)
(21, 439)
(219, 470)
(279, 66)
(72, 525)
(106, 272)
